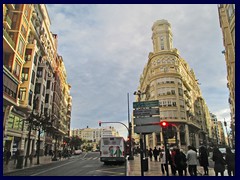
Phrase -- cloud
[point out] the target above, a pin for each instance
(105, 48)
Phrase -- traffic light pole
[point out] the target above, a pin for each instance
(166, 151)
(141, 155)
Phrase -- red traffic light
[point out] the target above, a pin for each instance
(99, 122)
(164, 124)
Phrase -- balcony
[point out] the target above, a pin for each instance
(11, 6)
(7, 23)
(8, 38)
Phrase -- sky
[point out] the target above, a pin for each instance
(105, 47)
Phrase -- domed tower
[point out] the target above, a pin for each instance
(162, 36)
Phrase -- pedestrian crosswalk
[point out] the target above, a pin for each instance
(89, 158)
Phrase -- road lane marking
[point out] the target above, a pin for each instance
(52, 168)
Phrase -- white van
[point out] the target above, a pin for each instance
(112, 149)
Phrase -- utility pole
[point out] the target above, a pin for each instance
(130, 133)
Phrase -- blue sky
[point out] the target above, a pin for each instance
(105, 48)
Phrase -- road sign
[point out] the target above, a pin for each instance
(146, 112)
(142, 104)
(146, 120)
(147, 129)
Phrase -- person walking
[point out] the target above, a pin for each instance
(8, 155)
(192, 161)
(180, 162)
(172, 161)
(230, 161)
(203, 159)
(150, 153)
(17, 153)
(219, 162)
(185, 167)
(163, 161)
(155, 153)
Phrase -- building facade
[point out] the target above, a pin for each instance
(168, 78)
(31, 70)
(227, 24)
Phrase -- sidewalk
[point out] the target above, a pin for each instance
(154, 168)
(12, 167)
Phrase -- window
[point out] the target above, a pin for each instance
(25, 74)
(22, 94)
(37, 88)
(39, 72)
(47, 98)
(20, 47)
(35, 59)
(16, 70)
(48, 84)
(30, 98)
(33, 77)
(28, 54)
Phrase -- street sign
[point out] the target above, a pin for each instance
(146, 112)
(146, 120)
(147, 129)
(143, 104)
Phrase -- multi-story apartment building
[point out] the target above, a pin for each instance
(31, 71)
(214, 136)
(227, 24)
(94, 135)
(168, 78)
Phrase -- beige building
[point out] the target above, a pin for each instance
(168, 78)
(35, 89)
(227, 24)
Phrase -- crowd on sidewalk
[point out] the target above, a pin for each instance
(182, 164)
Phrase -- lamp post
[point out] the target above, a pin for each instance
(130, 133)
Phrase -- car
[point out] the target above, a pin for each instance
(78, 152)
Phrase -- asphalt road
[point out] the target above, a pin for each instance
(86, 164)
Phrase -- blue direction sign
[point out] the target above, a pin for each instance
(144, 104)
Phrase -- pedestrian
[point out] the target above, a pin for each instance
(8, 155)
(203, 159)
(180, 161)
(185, 167)
(155, 153)
(219, 162)
(172, 161)
(150, 153)
(163, 161)
(230, 161)
(17, 153)
(192, 161)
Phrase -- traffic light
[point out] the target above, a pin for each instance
(167, 129)
(99, 123)
(164, 124)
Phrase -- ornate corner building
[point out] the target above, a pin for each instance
(34, 80)
(168, 78)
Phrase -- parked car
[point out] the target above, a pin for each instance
(78, 152)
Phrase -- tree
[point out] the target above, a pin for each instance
(75, 142)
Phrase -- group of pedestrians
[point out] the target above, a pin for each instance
(181, 163)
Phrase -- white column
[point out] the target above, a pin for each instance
(187, 134)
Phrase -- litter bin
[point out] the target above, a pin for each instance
(20, 162)
(145, 164)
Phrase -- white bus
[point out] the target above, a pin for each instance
(112, 149)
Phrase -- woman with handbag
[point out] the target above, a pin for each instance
(219, 162)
